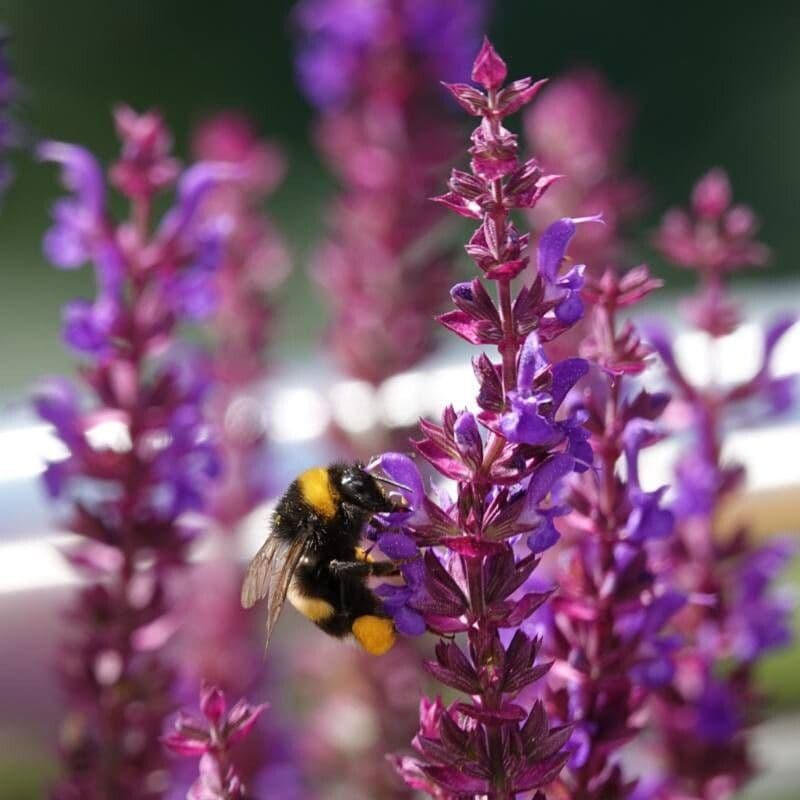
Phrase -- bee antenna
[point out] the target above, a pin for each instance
(392, 483)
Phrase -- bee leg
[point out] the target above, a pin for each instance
(346, 569)
(363, 569)
(384, 568)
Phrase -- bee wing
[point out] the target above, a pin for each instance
(269, 575)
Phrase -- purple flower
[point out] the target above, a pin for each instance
(339, 38)
(647, 519)
(140, 453)
(372, 69)
(718, 715)
(463, 570)
(79, 225)
(704, 718)
(88, 326)
(531, 419)
(550, 254)
(607, 631)
(760, 620)
(211, 739)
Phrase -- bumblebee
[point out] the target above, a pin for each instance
(312, 556)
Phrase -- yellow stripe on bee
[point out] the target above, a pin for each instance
(315, 487)
(314, 608)
(374, 634)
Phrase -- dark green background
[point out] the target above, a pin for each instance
(715, 83)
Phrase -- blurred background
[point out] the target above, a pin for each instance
(711, 84)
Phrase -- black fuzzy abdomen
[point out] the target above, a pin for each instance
(349, 596)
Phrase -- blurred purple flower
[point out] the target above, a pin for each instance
(217, 640)
(211, 740)
(79, 223)
(139, 449)
(581, 129)
(339, 36)
(373, 70)
(734, 616)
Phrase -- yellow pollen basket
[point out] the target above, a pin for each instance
(375, 634)
(315, 486)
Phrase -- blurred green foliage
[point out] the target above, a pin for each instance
(25, 770)
(778, 673)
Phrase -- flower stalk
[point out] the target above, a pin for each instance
(734, 616)
(211, 740)
(139, 453)
(461, 567)
(386, 133)
(605, 632)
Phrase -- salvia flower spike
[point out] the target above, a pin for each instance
(605, 629)
(464, 558)
(385, 130)
(211, 739)
(734, 616)
(139, 451)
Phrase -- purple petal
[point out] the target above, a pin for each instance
(81, 173)
(409, 622)
(397, 546)
(524, 425)
(413, 573)
(637, 433)
(570, 310)
(544, 538)
(401, 469)
(776, 331)
(66, 243)
(393, 597)
(552, 247)
(546, 476)
(565, 375)
(194, 185)
(532, 360)
(663, 608)
(468, 438)
(87, 326)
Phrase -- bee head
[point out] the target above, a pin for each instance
(361, 489)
